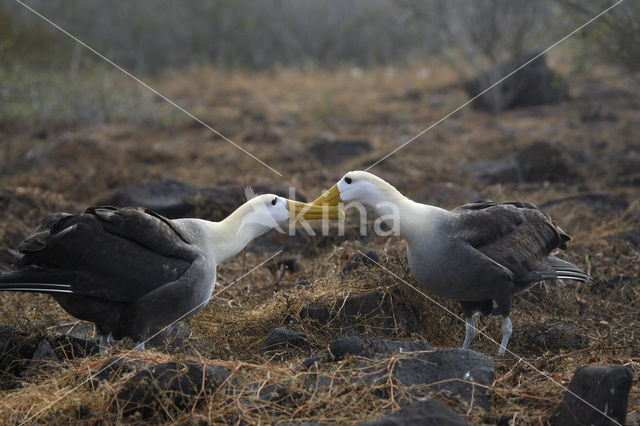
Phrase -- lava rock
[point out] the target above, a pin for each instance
(315, 312)
(632, 237)
(463, 374)
(377, 347)
(377, 309)
(114, 369)
(43, 354)
(346, 346)
(454, 373)
(170, 388)
(282, 337)
(168, 197)
(309, 362)
(175, 199)
(604, 387)
(542, 161)
(398, 346)
(428, 412)
(16, 349)
(492, 172)
(595, 201)
(171, 338)
(74, 339)
(263, 137)
(561, 336)
(369, 258)
(535, 84)
(328, 150)
(302, 283)
(364, 303)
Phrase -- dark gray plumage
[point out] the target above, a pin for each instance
(130, 270)
(110, 266)
(479, 254)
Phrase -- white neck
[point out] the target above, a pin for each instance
(229, 236)
(413, 217)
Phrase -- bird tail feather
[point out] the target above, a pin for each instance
(32, 280)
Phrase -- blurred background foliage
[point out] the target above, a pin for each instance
(47, 76)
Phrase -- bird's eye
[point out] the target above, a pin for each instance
(348, 180)
(274, 201)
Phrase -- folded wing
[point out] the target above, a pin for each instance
(117, 254)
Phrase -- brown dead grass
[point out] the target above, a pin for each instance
(88, 164)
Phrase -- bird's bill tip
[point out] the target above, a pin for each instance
(298, 211)
(330, 198)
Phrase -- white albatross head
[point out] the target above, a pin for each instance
(359, 186)
(268, 211)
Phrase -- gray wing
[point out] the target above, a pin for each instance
(118, 254)
(515, 234)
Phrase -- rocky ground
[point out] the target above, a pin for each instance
(320, 335)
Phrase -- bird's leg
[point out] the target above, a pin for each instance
(506, 334)
(469, 332)
(104, 346)
(140, 346)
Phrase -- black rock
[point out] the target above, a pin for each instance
(309, 362)
(302, 283)
(622, 281)
(273, 397)
(595, 201)
(168, 197)
(16, 349)
(369, 258)
(117, 368)
(363, 303)
(492, 172)
(346, 346)
(74, 339)
(86, 413)
(315, 312)
(535, 84)
(458, 373)
(282, 337)
(43, 354)
(595, 112)
(328, 150)
(561, 336)
(632, 237)
(170, 388)
(377, 347)
(263, 137)
(175, 199)
(427, 412)
(172, 338)
(542, 161)
(454, 373)
(376, 309)
(398, 346)
(604, 387)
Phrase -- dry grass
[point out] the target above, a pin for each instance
(271, 115)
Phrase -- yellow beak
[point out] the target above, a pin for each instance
(329, 198)
(298, 210)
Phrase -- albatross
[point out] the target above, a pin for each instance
(130, 270)
(479, 254)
